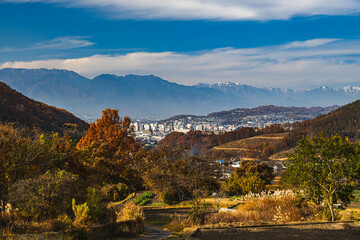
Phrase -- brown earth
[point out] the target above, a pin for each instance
(328, 231)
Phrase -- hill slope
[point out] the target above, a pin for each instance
(344, 121)
(15, 107)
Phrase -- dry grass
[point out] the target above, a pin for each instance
(11, 223)
(54, 225)
(276, 209)
(349, 214)
(279, 209)
(6, 223)
(223, 202)
(179, 223)
(214, 202)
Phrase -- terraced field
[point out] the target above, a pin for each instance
(254, 148)
(282, 156)
(251, 143)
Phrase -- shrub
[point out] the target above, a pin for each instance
(97, 208)
(170, 198)
(144, 198)
(144, 202)
(44, 197)
(198, 212)
(130, 212)
(356, 196)
(325, 213)
(81, 213)
(65, 220)
(56, 225)
(243, 184)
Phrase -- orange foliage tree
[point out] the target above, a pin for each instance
(110, 146)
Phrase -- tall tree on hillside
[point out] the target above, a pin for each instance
(110, 145)
(326, 168)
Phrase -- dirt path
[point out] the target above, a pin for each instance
(157, 219)
(154, 233)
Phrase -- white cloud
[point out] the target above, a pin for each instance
(212, 9)
(310, 43)
(336, 62)
(59, 43)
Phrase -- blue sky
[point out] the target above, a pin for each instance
(273, 43)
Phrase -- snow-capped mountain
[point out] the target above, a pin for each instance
(151, 96)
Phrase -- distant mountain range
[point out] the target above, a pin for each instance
(17, 108)
(152, 97)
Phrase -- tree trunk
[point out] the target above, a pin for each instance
(331, 207)
(332, 212)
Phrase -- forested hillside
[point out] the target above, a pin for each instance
(344, 121)
(16, 108)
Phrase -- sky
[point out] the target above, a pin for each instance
(263, 43)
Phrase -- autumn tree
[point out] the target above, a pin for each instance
(178, 176)
(239, 183)
(265, 172)
(109, 147)
(326, 168)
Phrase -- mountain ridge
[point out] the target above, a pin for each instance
(150, 96)
(236, 116)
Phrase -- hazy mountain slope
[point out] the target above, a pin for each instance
(15, 107)
(136, 96)
(322, 96)
(151, 96)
